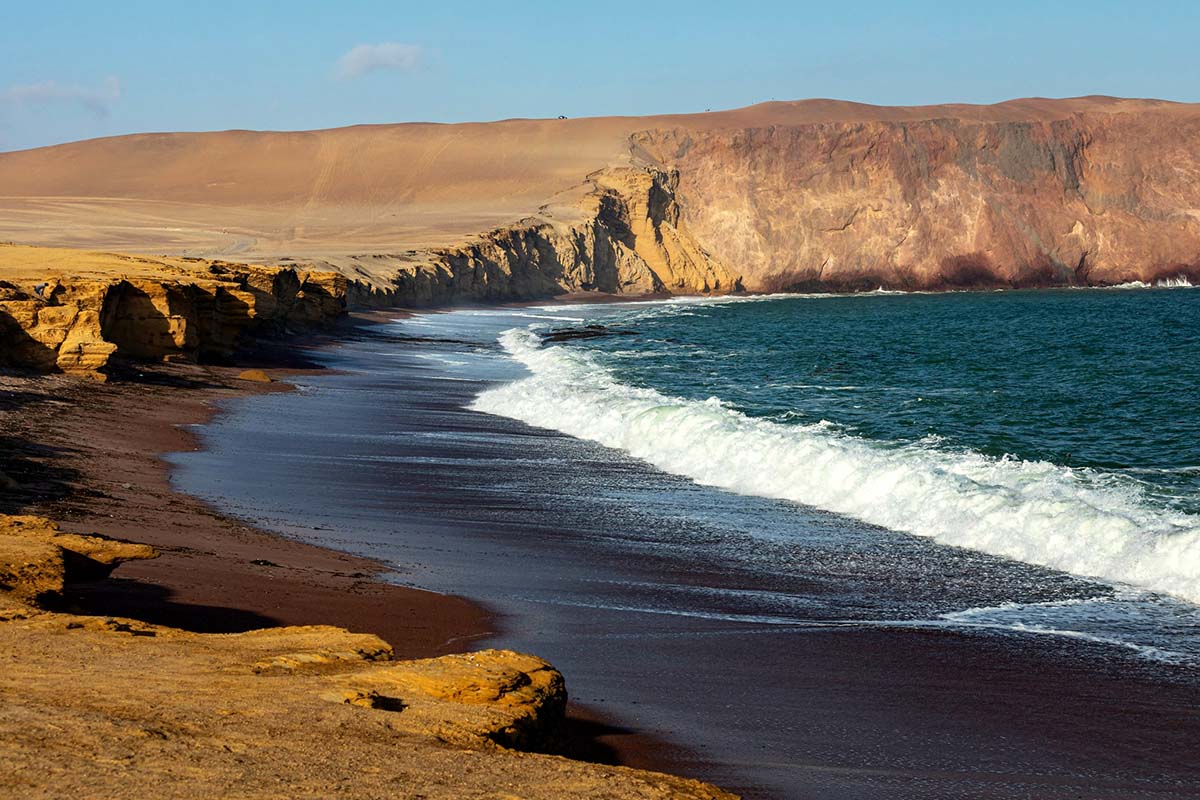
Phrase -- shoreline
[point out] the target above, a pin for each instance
(217, 573)
(817, 688)
(579, 570)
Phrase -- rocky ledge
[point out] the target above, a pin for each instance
(102, 706)
(620, 232)
(63, 319)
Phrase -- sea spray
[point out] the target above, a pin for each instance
(1032, 511)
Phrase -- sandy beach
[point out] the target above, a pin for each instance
(94, 462)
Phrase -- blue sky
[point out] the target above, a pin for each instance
(74, 70)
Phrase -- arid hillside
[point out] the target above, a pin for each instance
(813, 194)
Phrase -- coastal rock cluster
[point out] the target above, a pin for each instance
(296, 711)
(190, 309)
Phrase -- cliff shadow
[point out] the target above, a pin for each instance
(140, 329)
(1188, 272)
(31, 474)
(281, 354)
(172, 376)
(584, 736)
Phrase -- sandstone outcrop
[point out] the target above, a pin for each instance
(110, 707)
(150, 309)
(37, 559)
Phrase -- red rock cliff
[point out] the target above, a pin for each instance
(1086, 198)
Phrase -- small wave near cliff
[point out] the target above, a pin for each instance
(1080, 521)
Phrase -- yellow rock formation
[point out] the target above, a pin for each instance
(116, 708)
(37, 559)
(74, 311)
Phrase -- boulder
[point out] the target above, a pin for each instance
(255, 375)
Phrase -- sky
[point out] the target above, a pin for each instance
(78, 70)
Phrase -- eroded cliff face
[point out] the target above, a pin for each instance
(620, 232)
(1093, 198)
(989, 200)
(79, 325)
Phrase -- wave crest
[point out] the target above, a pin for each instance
(1036, 512)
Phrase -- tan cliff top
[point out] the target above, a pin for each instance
(24, 264)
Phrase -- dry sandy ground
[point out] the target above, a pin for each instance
(104, 707)
(22, 264)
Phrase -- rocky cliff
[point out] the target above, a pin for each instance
(1090, 198)
(620, 232)
(67, 319)
(808, 195)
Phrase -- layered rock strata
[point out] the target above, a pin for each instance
(203, 310)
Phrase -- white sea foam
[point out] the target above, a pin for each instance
(1180, 282)
(1036, 512)
(1119, 620)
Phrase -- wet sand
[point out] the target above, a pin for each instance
(89, 456)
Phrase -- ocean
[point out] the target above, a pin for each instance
(786, 531)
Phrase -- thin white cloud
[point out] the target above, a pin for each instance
(371, 57)
(98, 100)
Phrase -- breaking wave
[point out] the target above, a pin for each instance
(1079, 521)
